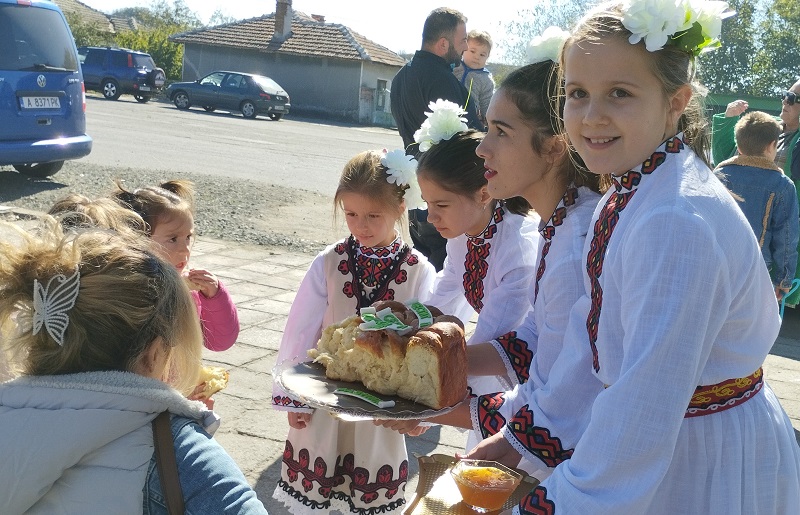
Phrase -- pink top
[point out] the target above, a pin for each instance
(218, 318)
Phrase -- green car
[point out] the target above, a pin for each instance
(232, 91)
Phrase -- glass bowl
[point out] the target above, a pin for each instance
(484, 485)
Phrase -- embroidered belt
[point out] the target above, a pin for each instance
(724, 395)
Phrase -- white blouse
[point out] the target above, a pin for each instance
(686, 301)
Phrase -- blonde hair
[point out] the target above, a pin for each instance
(157, 204)
(481, 37)
(365, 175)
(671, 66)
(755, 131)
(76, 211)
(128, 298)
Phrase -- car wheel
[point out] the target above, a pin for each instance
(110, 89)
(276, 116)
(209, 109)
(39, 169)
(142, 98)
(181, 100)
(248, 109)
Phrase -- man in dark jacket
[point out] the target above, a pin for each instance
(427, 78)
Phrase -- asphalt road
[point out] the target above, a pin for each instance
(293, 152)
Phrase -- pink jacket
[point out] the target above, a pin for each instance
(218, 318)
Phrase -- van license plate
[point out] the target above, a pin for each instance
(278, 108)
(40, 102)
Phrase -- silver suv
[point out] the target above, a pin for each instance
(42, 100)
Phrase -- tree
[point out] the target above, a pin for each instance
(87, 34)
(220, 18)
(778, 61)
(157, 23)
(532, 22)
(728, 68)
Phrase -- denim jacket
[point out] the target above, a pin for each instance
(769, 202)
(203, 468)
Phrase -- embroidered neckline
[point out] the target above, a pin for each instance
(491, 227)
(380, 276)
(389, 250)
(549, 231)
(625, 186)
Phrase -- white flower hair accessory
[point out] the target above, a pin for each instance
(50, 306)
(401, 169)
(444, 120)
(693, 26)
(547, 46)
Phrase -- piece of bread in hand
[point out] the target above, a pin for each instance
(192, 285)
(213, 380)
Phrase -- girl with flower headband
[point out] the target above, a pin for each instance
(678, 310)
(491, 244)
(526, 155)
(370, 265)
(106, 339)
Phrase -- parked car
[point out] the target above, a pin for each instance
(118, 71)
(232, 91)
(42, 99)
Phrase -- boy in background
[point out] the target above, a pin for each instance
(472, 72)
(767, 196)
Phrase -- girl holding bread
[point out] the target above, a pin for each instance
(329, 464)
(168, 213)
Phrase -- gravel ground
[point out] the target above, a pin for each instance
(237, 210)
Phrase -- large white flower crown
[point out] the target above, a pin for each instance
(547, 47)
(401, 169)
(693, 26)
(444, 120)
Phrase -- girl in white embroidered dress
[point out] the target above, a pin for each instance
(325, 455)
(678, 311)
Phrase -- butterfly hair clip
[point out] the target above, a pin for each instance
(51, 303)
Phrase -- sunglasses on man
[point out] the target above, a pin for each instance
(790, 97)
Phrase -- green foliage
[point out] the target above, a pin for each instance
(777, 64)
(728, 69)
(220, 18)
(530, 23)
(157, 23)
(87, 34)
(155, 41)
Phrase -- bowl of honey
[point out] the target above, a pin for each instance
(484, 485)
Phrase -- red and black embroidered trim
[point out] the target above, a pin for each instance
(537, 503)
(518, 354)
(489, 417)
(537, 439)
(475, 262)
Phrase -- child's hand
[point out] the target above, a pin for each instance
(207, 282)
(196, 395)
(299, 420)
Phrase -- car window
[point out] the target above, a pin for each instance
(35, 39)
(119, 60)
(234, 81)
(95, 57)
(213, 79)
(143, 61)
(267, 84)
